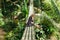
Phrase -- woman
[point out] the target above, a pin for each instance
(30, 21)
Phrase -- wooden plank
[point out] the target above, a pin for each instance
(30, 34)
(23, 37)
(27, 33)
(33, 34)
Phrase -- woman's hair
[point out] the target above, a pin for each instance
(32, 15)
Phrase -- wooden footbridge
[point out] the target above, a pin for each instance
(29, 34)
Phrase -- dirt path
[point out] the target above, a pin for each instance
(2, 34)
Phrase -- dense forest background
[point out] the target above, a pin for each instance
(14, 13)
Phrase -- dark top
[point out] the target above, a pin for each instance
(29, 22)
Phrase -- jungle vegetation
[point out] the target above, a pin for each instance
(14, 13)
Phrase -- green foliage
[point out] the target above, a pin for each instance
(9, 26)
(14, 27)
(55, 11)
(48, 29)
(52, 10)
(8, 8)
(1, 22)
(16, 34)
